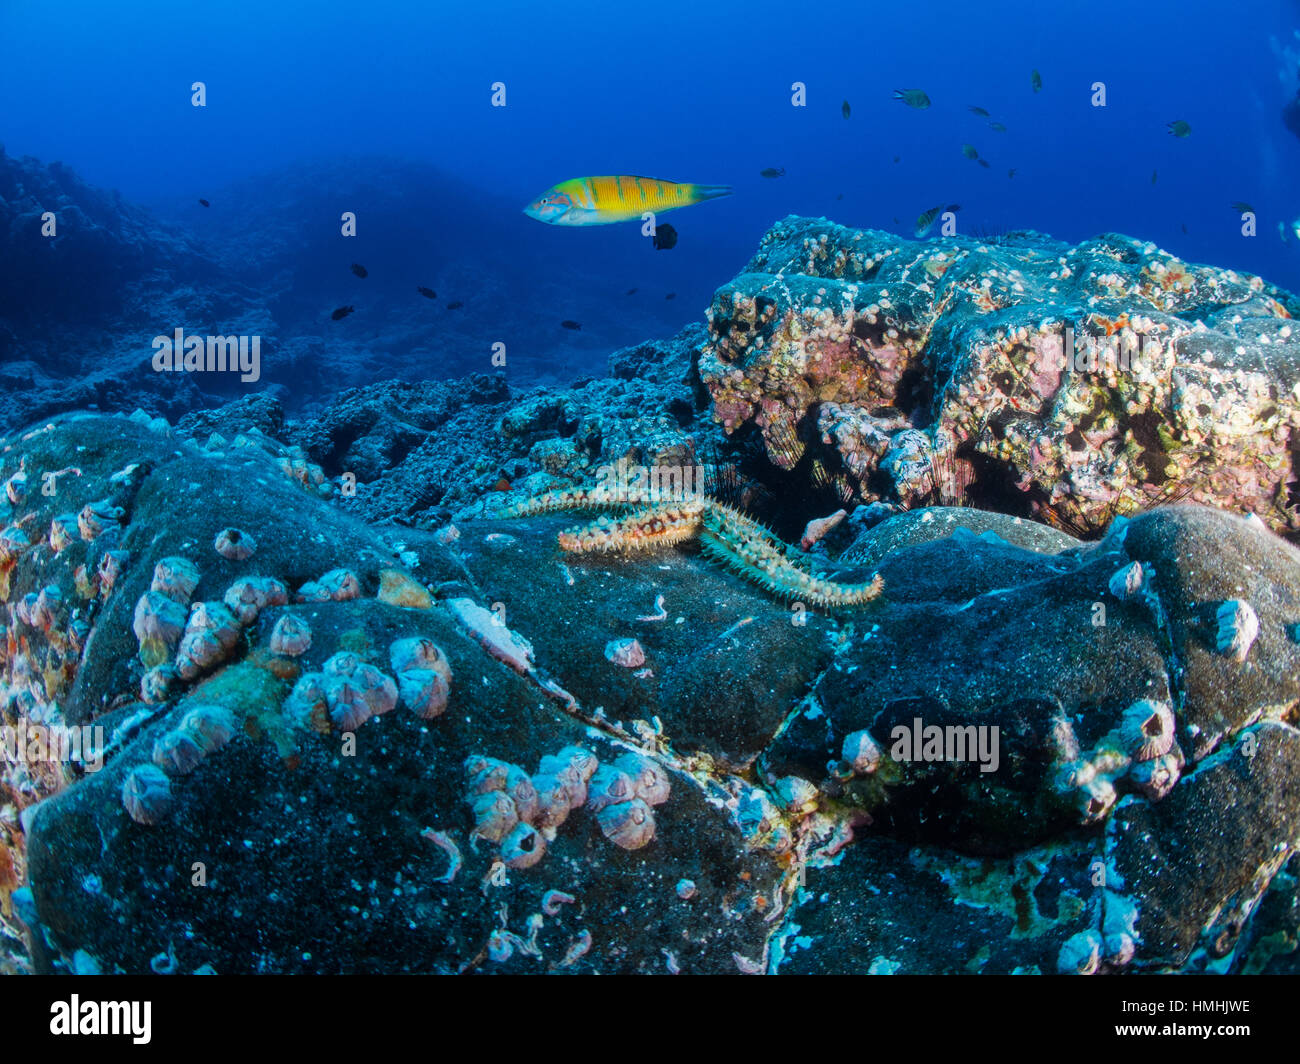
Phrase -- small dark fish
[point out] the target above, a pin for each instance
(671, 295)
(845, 109)
(926, 220)
(840, 196)
(1180, 128)
(665, 238)
(428, 293)
(1184, 227)
(984, 163)
(360, 270)
(772, 171)
(570, 324)
(898, 158)
(1011, 172)
(631, 291)
(913, 98)
(455, 306)
(969, 151)
(978, 111)
(1036, 79)
(1242, 207)
(1153, 177)
(205, 203)
(997, 127)
(342, 313)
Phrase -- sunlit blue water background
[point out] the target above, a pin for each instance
(688, 92)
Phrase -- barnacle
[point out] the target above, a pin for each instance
(235, 544)
(291, 636)
(629, 825)
(147, 795)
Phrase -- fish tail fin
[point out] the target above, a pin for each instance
(708, 192)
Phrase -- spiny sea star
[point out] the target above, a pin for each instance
(726, 535)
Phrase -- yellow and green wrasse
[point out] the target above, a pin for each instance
(606, 200)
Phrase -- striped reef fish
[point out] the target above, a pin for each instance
(605, 200)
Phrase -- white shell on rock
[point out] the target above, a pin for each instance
(1126, 583)
(626, 652)
(861, 751)
(1238, 628)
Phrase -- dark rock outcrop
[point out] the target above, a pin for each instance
(1144, 731)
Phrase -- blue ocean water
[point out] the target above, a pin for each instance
(686, 92)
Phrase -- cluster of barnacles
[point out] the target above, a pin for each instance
(649, 519)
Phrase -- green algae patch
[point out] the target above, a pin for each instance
(255, 696)
(356, 641)
(1004, 886)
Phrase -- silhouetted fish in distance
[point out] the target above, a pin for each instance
(428, 293)
(671, 295)
(926, 220)
(205, 203)
(360, 270)
(342, 313)
(567, 324)
(455, 305)
(772, 171)
(665, 238)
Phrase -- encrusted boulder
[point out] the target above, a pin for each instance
(459, 770)
(1086, 380)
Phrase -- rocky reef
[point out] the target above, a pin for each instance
(1076, 381)
(372, 700)
(89, 279)
(374, 748)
